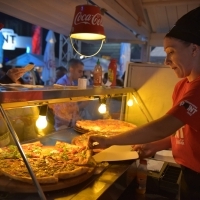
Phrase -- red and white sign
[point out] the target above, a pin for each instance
(87, 18)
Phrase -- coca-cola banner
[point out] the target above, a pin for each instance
(88, 19)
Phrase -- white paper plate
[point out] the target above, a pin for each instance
(116, 153)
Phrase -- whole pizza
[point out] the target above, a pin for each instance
(105, 125)
(49, 163)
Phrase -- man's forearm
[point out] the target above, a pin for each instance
(161, 144)
(153, 131)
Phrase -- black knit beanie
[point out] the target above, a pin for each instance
(187, 28)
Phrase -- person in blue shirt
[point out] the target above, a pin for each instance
(66, 114)
(75, 71)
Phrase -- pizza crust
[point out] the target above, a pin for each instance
(69, 174)
(24, 179)
(28, 179)
(47, 180)
(105, 125)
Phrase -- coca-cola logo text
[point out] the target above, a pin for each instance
(88, 19)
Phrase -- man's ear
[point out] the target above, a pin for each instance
(195, 49)
(70, 69)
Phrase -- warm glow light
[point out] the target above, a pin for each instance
(130, 102)
(102, 108)
(41, 122)
(87, 36)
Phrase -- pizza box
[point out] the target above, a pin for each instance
(116, 153)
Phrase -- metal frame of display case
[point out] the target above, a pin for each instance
(12, 96)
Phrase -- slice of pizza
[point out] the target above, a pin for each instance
(60, 169)
(31, 150)
(16, 169)
(73, 154)
(10, 151)
(46, 170)
(82, 140)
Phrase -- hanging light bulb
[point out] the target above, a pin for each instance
(130, 102)
(102, 108)
(41, 122)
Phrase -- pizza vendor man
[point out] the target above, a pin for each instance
(66, 114)
(179, 128)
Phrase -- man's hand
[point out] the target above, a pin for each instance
(150, 149)
(15, 73)
(97, 142)
(144, 150)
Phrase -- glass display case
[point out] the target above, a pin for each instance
(153, 85)
(20, 108)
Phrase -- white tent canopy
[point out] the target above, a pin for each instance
(26, 58)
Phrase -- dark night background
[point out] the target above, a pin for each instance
(23, 28)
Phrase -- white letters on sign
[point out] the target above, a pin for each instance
(88, 19)
(12, 40)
